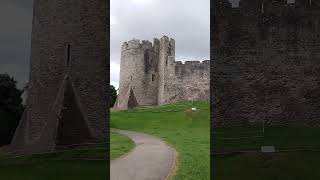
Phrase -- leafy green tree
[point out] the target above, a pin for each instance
(113, 94)
(11, 108)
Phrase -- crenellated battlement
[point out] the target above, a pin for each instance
(260, 7)
(167, 40)
(141, 44)
(193, 69)
(204, 62)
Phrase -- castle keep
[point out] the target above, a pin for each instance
(266, 62)
(67, 94)
(149, 75)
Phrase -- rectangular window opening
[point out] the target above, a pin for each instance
(68, 55)
(153, 77)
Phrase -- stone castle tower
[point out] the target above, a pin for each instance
(149, 75)
(67, 101)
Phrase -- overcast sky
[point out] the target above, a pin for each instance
(15, 35)
(187, 21)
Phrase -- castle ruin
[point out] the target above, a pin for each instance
(149, 75)
(266, 62)
(68, 83)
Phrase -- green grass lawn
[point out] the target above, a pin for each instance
(188, 132)
(281, 137)
(76, 163)
(258, 166)
(301, 165)
(3, 150)
(119, 145)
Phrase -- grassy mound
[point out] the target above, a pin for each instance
(80, 163)
(187, 131)
(119, 145)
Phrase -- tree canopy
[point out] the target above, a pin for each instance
(11, 108)
(113, 94)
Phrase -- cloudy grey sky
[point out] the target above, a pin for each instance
(15, 35)
(187, 21)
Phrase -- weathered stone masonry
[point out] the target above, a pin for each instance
(67, 101)
(266, 62)
(149, 75)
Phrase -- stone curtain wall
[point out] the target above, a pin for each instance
(188, 81)
(266, 64)
(178, 81)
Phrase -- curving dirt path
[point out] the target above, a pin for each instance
(151, 159)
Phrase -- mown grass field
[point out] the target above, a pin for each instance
(119, 145)
(283, 165)
(80, 163)
(187, 131)
(281, 137)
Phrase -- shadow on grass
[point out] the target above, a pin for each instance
(78, 163)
